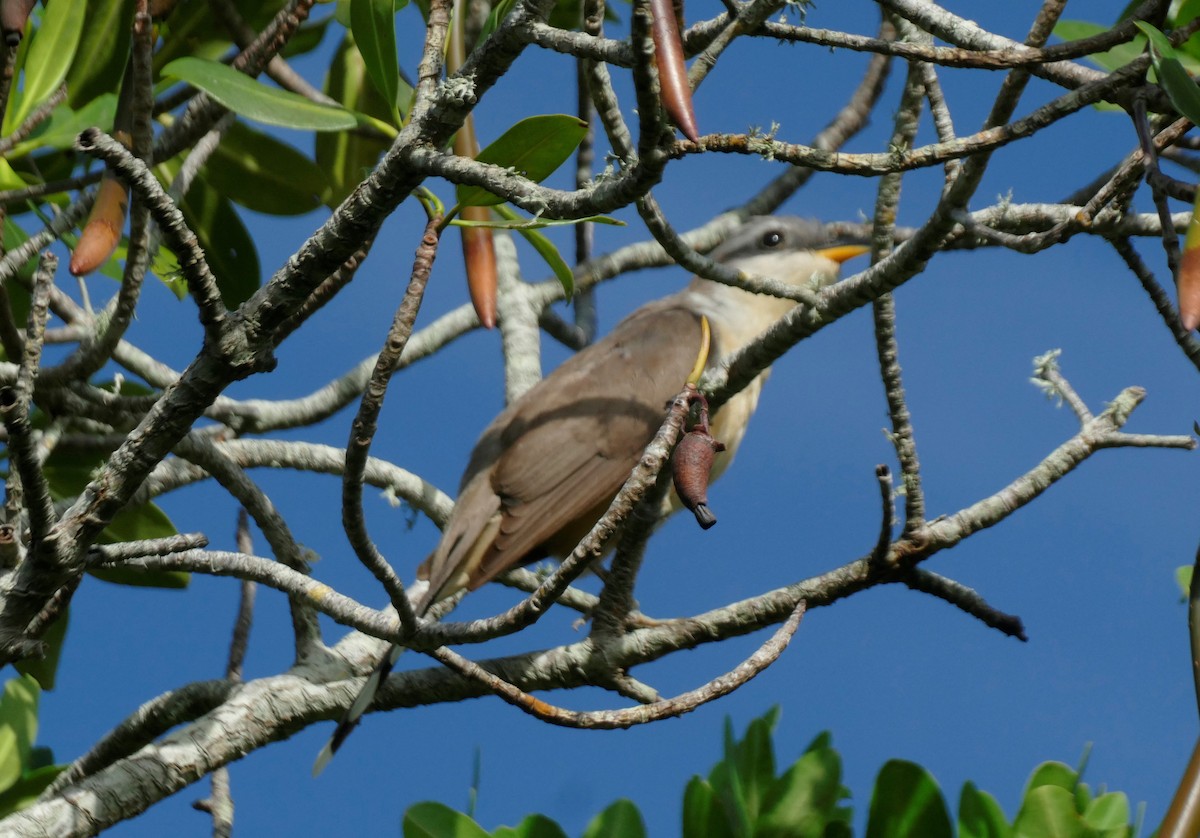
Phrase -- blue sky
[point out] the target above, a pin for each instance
(892, 673)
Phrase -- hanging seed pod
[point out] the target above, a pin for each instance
(1188, 281)
(691, 465)
(13, 15)
(673, 83)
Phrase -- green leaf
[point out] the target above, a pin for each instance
(498, 13)
(18, 296)
(1108, 811)
(1049, 810)
(755, 756)
(136, 577)
(1180, 88)
(1187, 11)
(347, 157)
(138, 523)
(64, 124)
(534, 147)
(433, 820)
(247, 97)
(804, 800)
(1183, 578)
(533, 826)
(227, 243)
(1052, 774)
(192, 29)
(18, 727)
(44, 670)
(620, 820)
(546, 249)
(228, 246)
(730, 796)
(703, 816)
(373, 23)
(906, 803)
(51, 50)
(980, 816)
(102, 53)
(26, 790)
(265, 175)
(1118, 56)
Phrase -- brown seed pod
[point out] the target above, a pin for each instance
(102, 232)
(13, 15)
(673, 82)
(479, 255)
(1189, 288)
(691, 465)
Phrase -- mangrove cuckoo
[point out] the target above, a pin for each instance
(548, 466)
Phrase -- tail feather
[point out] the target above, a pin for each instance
(355, 711)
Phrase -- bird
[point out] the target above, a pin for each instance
(548, 466)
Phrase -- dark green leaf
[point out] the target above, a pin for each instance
(136, 523)
(64, 124)
(821, 742)
(755, 756)
(1049, 810)
(265, 175)
(103, 52)
(1188, 11)
(192, 29)
(44, 670)
(433, 820)
(533, 826)
(1083, 796)
(347, 157)
(620, 820)
(50, 53)
(373, 23)
(40, 757)
(253, 100)
(730, 797)
(534, 147)
(498, 13)
(804, 800)
(906, 803)
(18, 728)
(568, 14)
(980, 816)
(546, 249)
(1180, 88)
(136, 577)
(18, 296)
(703, 816)
(26, 790)
(227, 244)
(1159, 41)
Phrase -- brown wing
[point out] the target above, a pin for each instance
(553, 460)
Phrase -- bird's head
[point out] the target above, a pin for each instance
(797, 251)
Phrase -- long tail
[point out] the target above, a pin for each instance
(366, 695)
(355, 711)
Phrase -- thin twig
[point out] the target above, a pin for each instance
(686, 702)
(365, 424)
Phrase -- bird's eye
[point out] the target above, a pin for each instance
(772, 238)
